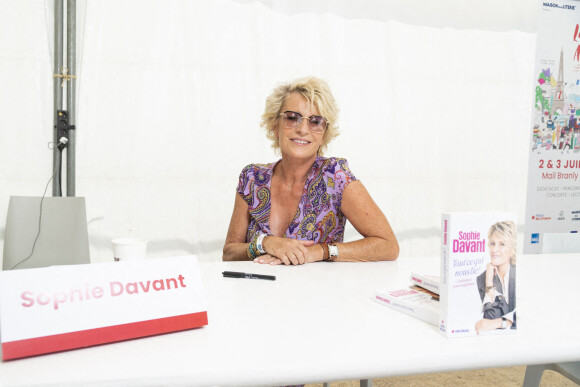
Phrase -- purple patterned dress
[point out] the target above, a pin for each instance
(318, 217)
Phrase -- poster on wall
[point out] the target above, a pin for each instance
(553, 195)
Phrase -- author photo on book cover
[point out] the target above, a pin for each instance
(497, 284)
(293, 211)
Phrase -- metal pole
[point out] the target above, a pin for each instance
(58, 35)
(71, 26)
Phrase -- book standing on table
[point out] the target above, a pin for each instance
(478, 272)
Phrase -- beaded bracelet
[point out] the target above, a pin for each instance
(255, 248)
(252, 250)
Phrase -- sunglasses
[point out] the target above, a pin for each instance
(316, 124)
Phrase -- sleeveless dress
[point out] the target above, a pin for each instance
(318, 217)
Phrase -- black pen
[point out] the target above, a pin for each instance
(237, 274)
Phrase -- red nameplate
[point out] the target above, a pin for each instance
(65, 307)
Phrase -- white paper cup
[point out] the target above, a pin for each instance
(128, 249)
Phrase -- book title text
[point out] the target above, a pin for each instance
(469, 242)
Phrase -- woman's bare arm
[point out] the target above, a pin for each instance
(235, 248)
(379, 242)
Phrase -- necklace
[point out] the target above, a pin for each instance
(290, 187)
(292, 184)
(303, 179)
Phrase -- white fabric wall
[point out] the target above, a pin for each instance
(435, 108)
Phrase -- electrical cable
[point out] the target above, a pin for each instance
(39, 219)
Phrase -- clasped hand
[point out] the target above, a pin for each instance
(490, 272)
(286, 251)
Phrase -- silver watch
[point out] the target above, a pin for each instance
(332, 252)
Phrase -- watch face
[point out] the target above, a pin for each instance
(333, 250)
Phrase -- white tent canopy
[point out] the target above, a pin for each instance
(435, 102)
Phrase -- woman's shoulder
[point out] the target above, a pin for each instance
(335, 164)
(332, 161)
(257, 168)
(258, 172)
(254, 174)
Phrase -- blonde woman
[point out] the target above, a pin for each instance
(497, 284)
(293, 211)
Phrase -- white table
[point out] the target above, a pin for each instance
(317, 323)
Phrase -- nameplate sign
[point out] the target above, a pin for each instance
(59, 308)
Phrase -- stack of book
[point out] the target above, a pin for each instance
(476, 284)
(420, 299)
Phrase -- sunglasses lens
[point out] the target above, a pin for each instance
(317, 123)
(293, 119)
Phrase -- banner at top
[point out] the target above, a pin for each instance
(553, 196)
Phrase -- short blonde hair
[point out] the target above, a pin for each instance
(316, 92)
(507, 231)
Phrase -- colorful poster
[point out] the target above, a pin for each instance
(553, 196)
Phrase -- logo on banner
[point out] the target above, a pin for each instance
(541, 217)
(535, 238)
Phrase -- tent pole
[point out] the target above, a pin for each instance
(71, 27)
(58, 47)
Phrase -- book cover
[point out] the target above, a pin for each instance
(478, 273)
(412, 301)
(426, 281)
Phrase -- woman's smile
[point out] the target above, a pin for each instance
(300, 141)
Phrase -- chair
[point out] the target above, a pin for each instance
(63, 237)
(556, 243)
(363, 383)
(534, 373)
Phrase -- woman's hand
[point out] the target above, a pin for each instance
(288, 251)
(487, 325)
(489, 287)
(293, 252)
(489, 274)
(267, 259)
